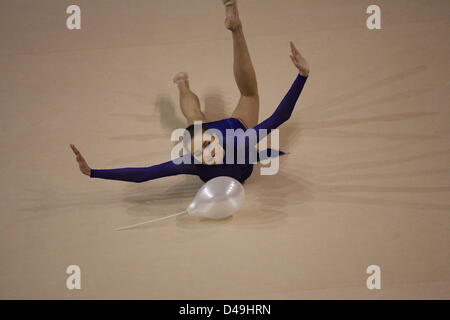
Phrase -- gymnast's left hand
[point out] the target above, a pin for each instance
(299, 61)
(84, 167)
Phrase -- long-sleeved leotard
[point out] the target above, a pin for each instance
(206, 172)
(142, 174)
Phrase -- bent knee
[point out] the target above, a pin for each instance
(254, 97)
(195, 116)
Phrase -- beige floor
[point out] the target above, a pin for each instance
(367, 180)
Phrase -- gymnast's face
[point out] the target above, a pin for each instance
(206, 148)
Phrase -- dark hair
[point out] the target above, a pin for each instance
(189, 134)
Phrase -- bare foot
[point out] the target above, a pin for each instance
(181, 76)
(232, 21)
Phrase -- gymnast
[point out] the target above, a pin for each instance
(244, 117)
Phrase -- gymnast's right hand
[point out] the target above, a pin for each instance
(84, 167)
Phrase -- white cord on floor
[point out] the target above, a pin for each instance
(150, 221)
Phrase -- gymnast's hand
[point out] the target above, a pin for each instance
(299, 61)
(84, 167)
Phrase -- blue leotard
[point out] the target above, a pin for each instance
(239, 172)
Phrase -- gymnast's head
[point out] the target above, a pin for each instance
(203, 144)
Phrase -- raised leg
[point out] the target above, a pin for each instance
(247, 109)
(189, 102)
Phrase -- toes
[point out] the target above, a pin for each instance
(229, 2)
(182, 76)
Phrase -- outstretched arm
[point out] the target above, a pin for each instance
(286, 107)
(165, 169)
(143, 174)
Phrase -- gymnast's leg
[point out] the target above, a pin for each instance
(247, 109)
(189, 102)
